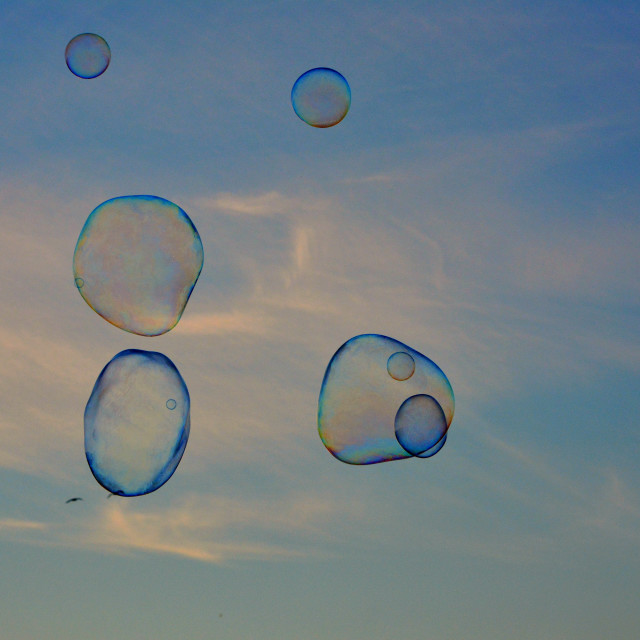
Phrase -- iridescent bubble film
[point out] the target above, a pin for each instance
(133, 439)
(420, 424)
(136, 262)
(360, 400)
(87, 55)
(321, 97)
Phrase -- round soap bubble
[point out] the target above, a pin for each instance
(360, 399)
(420, 424)
(133, 439)
(137, 261)
(87, 55)
(401, 366)
(321, 97)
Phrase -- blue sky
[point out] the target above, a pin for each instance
(479, 203)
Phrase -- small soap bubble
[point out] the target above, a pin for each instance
(79, 283)
(171, 404)
(360, 400)
(401, 366)
(321, 97)
(132, 443)
(87, 55)
(420, 424)
(139, 258)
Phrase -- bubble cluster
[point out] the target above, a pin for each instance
(381, 400)
(88, 55)
(136, 422)
(321, 97)
(137, 261)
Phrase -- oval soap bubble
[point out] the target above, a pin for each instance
(360, 398)
(88, 55)
(420, 424)
(138, 259)
(321, 97)
(133, 439)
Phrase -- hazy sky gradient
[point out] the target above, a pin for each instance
(479, 203)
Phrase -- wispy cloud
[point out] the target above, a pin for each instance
(611, 511)
(204, 528)
(316, 271)
(569, 511)
(43, 381)
(267, 204)
(301, 250)
(10, 524)
(377, 178)
(42, 358)
(174, 531)
(327, 271)
(220, 324)
(591, 263)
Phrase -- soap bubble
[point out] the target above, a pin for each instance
(138, 259)
(401, 366)
(420, 424)
(87, 55)
(132, 442)
(359, 400)
(321, 97)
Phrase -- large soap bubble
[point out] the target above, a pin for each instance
(321, 97)
(136, 262)
(136, 423)
(381, 400)
(87, 55)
